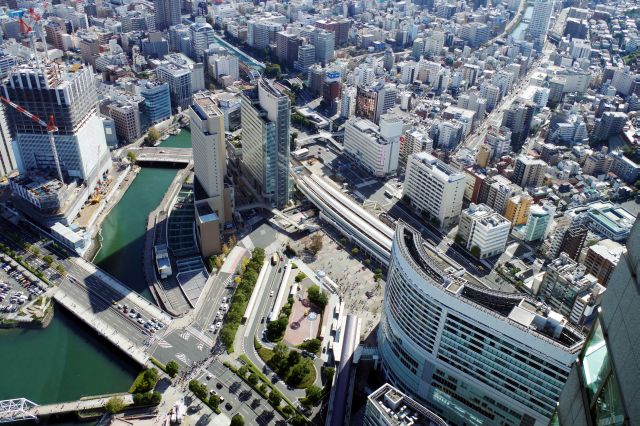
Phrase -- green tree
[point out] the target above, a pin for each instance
(272, 71)
(48, 259)
(61, 269)
(214, 401)
(312, 345)
(237, 420)
(115, 405)
(298, 420)
(279, 358)
(152, 136)
(275, 399)
(355, 251)
(276, 329)
(132, 157)
(172, 368)
(298, 373)
(242, 371)
(475, 251)
(327, 375)
(252, 379)
(293, 358)
(301, 276)
(264, 388)
(313, 395)
(316, 297)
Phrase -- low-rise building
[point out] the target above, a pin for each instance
(482, 231)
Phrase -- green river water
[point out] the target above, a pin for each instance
(68, 360)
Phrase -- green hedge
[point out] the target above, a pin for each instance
(241, 298)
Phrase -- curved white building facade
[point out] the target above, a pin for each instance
(473, 355)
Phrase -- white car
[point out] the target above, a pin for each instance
(271, 294)
(212, 328)
(218, 325)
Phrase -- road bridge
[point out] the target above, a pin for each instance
(159, 155)
(93, 297)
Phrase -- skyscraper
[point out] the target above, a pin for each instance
(202, 35)
(266, 118)
(7, 159)
(473, 355)
(68, 93)
(539, 23)
(168, 13)
(602, 388)
(214, 208)
(518, 119)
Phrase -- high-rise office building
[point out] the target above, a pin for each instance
(179, 79)
(214, 209)
(602, 388)
(157, 101)
(539, 23)
(168, 13)
(306, 57)
(373, 101)
(529, 171)
(518, 119)
(539, 222)
(7, 159)
(68, 93)
(266, 118)
(471, 354)
(202, 35)
(433, 188)
(287, 45)
(325, 44)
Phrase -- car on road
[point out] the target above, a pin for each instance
(228, 406)
(212, 328)
(218, 325)
(219, 385)
(271, 293)
(208, 376)
(263, 320)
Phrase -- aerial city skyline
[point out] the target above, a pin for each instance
(353, 212)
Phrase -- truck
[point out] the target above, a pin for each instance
(274, 259)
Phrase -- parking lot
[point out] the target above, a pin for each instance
(16, 290)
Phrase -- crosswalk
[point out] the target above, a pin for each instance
(160, 342)
(183, 358)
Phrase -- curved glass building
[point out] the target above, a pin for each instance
(473, 355)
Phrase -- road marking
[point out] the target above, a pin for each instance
(186, 336)
(182, 358)
(200, 346)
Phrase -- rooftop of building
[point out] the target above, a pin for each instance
(608, 249)
(437, 164)
(207, 103)
(400, 410)
(486, 215)
(611, 216)
(518, 310)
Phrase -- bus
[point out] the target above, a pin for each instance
(274, 259)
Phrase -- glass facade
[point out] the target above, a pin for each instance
(599, 380)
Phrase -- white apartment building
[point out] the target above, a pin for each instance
(434, 188)
(480, 226)
(377, 148)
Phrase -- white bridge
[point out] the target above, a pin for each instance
(15, 410)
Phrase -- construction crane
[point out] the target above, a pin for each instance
(50, 126)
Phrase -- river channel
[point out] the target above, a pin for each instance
(68, 360)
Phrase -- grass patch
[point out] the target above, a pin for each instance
(145, 382)
(158, 364)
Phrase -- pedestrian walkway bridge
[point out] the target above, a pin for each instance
(14, 410)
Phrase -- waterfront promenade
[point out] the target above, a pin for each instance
(84, 404)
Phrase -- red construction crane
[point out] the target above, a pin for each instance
(50, 126)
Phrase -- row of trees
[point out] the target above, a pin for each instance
(200, 390)
(277, 328)
(241, 298)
